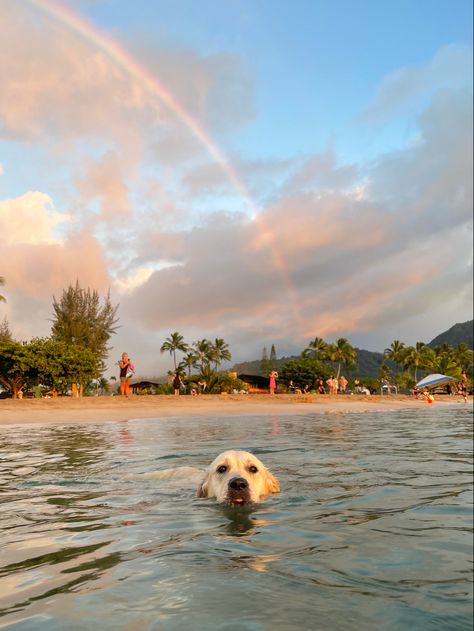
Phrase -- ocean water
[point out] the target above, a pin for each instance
(372, 528)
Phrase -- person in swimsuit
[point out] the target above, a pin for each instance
(125, 367)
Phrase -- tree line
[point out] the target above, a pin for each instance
(74, 354)
(82, 325)
(321, 359)
(204, 357)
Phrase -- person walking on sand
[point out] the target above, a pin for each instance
(126, 368)
(272, 384)
(177, 383)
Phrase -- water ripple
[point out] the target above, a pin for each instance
(372, 528)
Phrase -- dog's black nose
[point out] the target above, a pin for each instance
(238, 484)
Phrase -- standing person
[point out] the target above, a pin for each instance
(272, 384)
(321, 388)
(332, 383)
(177, 383)
(125, 370)
(343, 384)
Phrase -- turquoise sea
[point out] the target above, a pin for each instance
(372, 528)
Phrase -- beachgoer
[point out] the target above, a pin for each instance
(291, 387)
(427, 396)
(306, 389)
(462, 390)
(321, 388)
(177, 382)
(125, 370)
(272, 384)
(343, 384)
(332, 383)
(202, 385)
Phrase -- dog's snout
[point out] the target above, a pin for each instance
(238, 484)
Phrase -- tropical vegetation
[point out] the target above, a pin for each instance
(47, 363)
(80, 318)
(204, 358)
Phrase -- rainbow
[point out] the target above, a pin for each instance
(153, 86)
(149, 82)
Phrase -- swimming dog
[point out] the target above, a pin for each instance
(238, 478)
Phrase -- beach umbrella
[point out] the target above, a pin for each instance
(432, 381)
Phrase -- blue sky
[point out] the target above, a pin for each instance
(317, 64)
(348, 123)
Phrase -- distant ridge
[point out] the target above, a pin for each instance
(461, 332)
(369, 362)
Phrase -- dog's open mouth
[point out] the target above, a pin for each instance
(238, 499)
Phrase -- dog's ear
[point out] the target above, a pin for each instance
(271, 483)
(202, 488)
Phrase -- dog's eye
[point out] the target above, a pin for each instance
(253, 469)
(222, 468)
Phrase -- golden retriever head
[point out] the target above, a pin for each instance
(237, 478)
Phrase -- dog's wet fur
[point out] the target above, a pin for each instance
(238, 478)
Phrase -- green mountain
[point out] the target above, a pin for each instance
(369, 362)
(457, 334)
(368, 365)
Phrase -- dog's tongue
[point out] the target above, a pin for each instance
(238, 500)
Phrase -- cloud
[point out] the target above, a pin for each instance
(57, 87)
(450, 69)
(29, 219)
(335, 248)
(104, 180)
(329, 262)
(41, 269)
(322, 172)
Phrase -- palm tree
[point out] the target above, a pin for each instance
(172, 344)
(209, 376)
(189, 361)
(463, 355)
(341, 353)
(445, 364)
(316, 347)
(203, 352)
(395, 352)
(415, 356)
(2, 282)
(220, 352)
(384, 373)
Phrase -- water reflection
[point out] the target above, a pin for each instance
(374, 517)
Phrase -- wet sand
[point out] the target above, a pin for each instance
(107, 408)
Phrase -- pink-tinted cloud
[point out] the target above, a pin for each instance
(104, 180)
(43, 269)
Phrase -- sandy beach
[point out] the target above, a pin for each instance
(106, 408)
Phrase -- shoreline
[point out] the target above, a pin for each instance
(106, 408)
